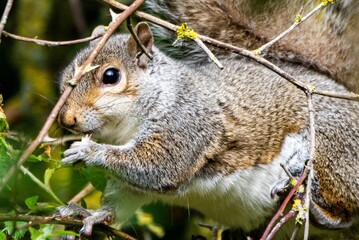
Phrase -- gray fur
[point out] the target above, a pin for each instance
(196, 122)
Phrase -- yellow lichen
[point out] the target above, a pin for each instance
(293, 182)
(257, 51)
(296, 204)
(298, 18)
(325, 2)
(301, 210)
(184, 32)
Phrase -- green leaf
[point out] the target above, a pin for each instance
(43, 233)
(83, 203)
(31, 202)
(2, 236)
(34, 233)
(3, 124)
(46, 230)
(48, 174)
(65, 232)
(34, 158)
(96, 176)
(6, 159)
(47, 206)
(10, 227)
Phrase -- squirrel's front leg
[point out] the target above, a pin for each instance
(85, 150)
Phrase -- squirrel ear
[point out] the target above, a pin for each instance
(98, 31)
(145, 37)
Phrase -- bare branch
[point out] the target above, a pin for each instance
(284, 204)
(5, 16)
(310, 162)
(144, 50)
(84, 192)
(43, 132)
(51, 43)
(284, 220)
(62, 140)
(299, 20)
(63, 221)
(295, 232)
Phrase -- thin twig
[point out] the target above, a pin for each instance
(84, 192)
(310, 162)
(81, 71)
(286, 170)
(284, 204)
(295, 232)
(211, 56)
(284, 220)
(51, 43)
(138, 41)
(62, 140)
(63, 221)
(290, 29)
(5, 16)
(240, 51)
(41, 185)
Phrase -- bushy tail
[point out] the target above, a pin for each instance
(327, 42)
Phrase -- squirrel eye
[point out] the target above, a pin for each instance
(111, 76)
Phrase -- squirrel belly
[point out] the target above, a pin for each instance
(194, 135)
(241, 199)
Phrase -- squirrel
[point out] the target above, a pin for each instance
(189, 134)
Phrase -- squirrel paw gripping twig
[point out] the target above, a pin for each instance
(89, 218)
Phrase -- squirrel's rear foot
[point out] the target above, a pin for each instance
(88, 217)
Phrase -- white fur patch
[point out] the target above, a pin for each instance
(242, 199)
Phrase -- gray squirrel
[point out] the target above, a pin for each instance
(189, 134)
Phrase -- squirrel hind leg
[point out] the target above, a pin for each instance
(329, 218)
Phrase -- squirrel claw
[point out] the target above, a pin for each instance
(99, 217)
(72, 210)
(88, 217)
(78, 151)
(280, 188)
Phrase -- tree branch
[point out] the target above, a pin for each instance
(51, 43)
(299, 20)
(63, 221)
(284, 220)
(5, 16)
(310, 162)
(284, 204)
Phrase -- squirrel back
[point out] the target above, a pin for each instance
(326, 42)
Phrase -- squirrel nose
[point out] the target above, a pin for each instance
(67, 119)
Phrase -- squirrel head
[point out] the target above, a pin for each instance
(105, 96)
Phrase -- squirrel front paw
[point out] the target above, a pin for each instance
(88, 217)
(280, 188)
(84, 150)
